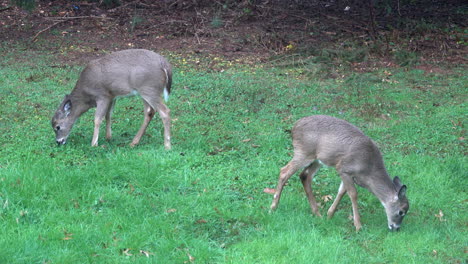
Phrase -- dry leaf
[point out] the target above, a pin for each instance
(246, 140)
(440, 215)
(126, 252)
(172, 210)
(131, 188)
(190, 257)
(327, 198)
(269, 190)
(201, 221)
(146, 253)
(68, 235)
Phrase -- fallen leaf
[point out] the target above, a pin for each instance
(201, 221)
(190, 257)
(131, 188)
(146, 253)
(68, 235)
(269, 190)
(327, 198)
(440, 215)
(246, 140)
(126, 252)
(172, 210)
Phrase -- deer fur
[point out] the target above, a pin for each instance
(122, 73)
(336, 143)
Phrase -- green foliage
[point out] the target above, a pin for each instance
(203, 201)
(216, 22)
(406, 58)
(136, 20)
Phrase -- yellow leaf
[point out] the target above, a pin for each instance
(269, 190)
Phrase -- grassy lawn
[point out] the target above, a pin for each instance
(203, 201)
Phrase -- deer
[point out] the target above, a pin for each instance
(118, 74)
(321, 139)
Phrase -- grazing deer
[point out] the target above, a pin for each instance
(122, 73)
(336, 143)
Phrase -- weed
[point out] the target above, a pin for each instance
(406, 58)
(217, 22)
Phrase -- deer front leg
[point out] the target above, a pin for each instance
(341, 192)
(306, 179)
(352, 193)
(101, 110)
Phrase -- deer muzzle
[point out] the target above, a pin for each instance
(61, 141)
(394, 227)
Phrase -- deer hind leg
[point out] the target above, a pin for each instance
(306, 178)
(108, 120)
(286, 172)
(164, 113)
(149, 113)
(102, 107)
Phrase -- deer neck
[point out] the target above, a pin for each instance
(382, 187)
(80, 101)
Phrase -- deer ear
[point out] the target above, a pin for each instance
(67, 107)
(397, 182)
(402, 192)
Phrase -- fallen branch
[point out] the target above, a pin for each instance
(5, 9)
(47, 28)
(60, 20)
(73, 18)
(136, 4)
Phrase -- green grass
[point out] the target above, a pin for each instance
(203, 201)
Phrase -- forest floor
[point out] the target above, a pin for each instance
(244, 32)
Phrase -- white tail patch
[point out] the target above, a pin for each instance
(165, 92)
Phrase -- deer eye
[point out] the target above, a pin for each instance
(401, 213)
(57, 128)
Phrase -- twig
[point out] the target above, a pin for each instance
(76, 17)
(372, 19)
(61, 20)
(122, 6)
(44, 30)
(5, 9)
(135, 3)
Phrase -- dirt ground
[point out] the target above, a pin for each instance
(240, 32)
